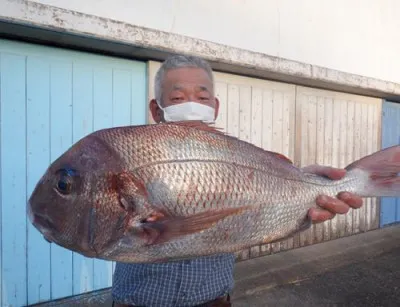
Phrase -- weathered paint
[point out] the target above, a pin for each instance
(284, 26)
(390, 206)
(106, 32)
(50, 98)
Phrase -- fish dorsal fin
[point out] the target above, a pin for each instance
(207, 127)
(281, 156)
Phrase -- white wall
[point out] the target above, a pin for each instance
(355, 36)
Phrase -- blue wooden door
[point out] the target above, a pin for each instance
(50, 98)
(390, 206)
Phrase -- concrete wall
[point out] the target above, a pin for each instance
(358, 36)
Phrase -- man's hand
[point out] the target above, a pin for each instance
(331, 206)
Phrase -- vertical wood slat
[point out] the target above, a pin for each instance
(370, 144)
(266, 135)
(335, 153)
(41, 89)
(309, 139)
(103, 115)
(221, 92)
(152, 70)
(38, 159)
(344, 128)
(60, 141)
(376, 145)
(288, 135)
(327, 157)
(82, 124)
(277, 137)
(232, 127)
(233, 110)
(351, 147)
(256, 137)
(245, 127)
(13, 179)
(362, 222)
(139, 84)
(319, 154)
(343, 143)
(390, 206)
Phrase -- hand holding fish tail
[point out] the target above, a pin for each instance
(330, 206)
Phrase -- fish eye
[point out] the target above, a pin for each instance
(63, 186)
(64, 181)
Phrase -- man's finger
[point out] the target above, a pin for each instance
(351, 199)
(318, 215)
(333, 205)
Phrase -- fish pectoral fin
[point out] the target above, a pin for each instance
(130, 190)
(161, 228)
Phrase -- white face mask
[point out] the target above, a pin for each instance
(188, 111)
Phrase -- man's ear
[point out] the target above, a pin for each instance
(156, 112)
(216, 108)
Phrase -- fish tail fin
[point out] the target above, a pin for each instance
(383, 170)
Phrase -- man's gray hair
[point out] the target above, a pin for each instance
(179, 61)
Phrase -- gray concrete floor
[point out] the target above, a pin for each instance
(361, 270)
(372, 282)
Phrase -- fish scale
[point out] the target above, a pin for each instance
(174, 191)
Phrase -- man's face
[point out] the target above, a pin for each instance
(182, 85)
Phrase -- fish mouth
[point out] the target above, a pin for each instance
(42, 223)
(45, 226)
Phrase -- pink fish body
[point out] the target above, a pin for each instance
(172, 191)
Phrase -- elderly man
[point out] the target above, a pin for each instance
(184, 90)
